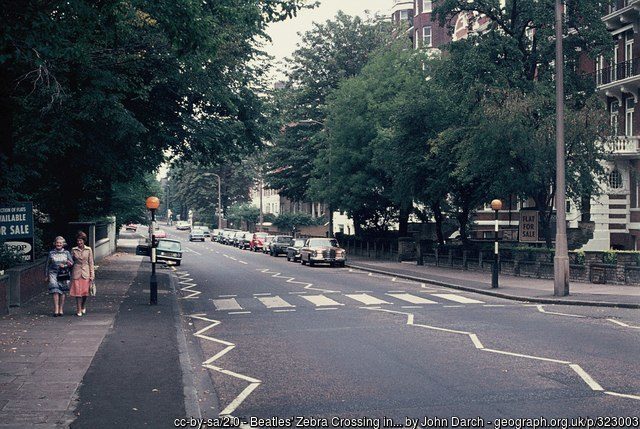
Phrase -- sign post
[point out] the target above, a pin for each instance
(529, 222)
(16, 229)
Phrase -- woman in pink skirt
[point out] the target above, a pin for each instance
(82, 274)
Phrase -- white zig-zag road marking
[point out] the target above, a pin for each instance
(253, 382)
(308, 286)
(185, 279)
(626, 325)
(592, 383)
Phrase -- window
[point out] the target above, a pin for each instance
(628, 55)
(628, 116)
(426, 6)
(613, 115)
(426, 37)
(615, 179)
(404, 15)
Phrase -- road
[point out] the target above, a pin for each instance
(270, 338)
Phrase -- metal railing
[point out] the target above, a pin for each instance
(618, 71)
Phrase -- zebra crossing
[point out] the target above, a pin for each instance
(291, 302)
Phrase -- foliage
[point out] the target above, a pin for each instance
(128, 200)
(93, 94)
(293, 221)
(610, 257)
(329, 53)
(243, 212)
(580, 258)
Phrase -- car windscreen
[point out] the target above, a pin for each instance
(283, 239)
(298, 243)
(323, 242)
(169, 245)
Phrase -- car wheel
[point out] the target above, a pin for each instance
(341, 265)
(303, 262)
(178, 263)
(311, 263)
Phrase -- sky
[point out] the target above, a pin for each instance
(285, 34)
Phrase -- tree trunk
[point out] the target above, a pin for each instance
(437, 215)
(463, 221)
(403, 221)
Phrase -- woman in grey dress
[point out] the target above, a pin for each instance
(58, 262)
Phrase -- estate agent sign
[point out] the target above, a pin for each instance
(16, 229)
(529, 225)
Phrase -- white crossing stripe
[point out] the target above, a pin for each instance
(457, 298)
(320, 300)
(226, 304)
(367, 299)
(411, 298)
(275, 302)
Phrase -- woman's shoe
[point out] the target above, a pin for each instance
(55, 314)
(79, 314)
(84, 311)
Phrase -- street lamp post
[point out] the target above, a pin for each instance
(152, 204)
(561, 258)
(496, 205)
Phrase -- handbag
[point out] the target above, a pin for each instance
(63, 275)
(92, 289)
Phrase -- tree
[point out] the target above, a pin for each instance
(240, 213)
(328, 54)
(292, 222)
(93, 94)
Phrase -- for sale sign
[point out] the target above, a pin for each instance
(529, 225)
(16, 229)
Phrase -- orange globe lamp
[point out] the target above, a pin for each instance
(153, 203)
(496, 204)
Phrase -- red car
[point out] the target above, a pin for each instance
(257, 242)
(160, 233)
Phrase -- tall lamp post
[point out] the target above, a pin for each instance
(496, 205)
(152, 204)
(561, 258)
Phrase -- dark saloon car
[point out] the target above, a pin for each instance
(323, 250)
(293, 251)
(279, 245)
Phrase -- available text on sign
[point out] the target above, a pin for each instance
(16, 229)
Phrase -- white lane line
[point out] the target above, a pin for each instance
(226, 256)
(243, 262)
(227, 296)
(217, 252)
(457, 298)
(411, 306)
(320, 300)
(411, 298)
(626, 325)
(226, 304)
(283, 311)
(624, 395)
(298, 293)
(262, 294)
(586, 377)
(494, 305)
(453, 306)
(542, 310)
(321, 309)
(395, 291)
(363, 291)
(191, 250)
(232, 258)
(526, 356)
(275, 302)
(366, 299)
(239, 312)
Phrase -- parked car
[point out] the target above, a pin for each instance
(160, 233)
(266, 244)
(293, 251)
(279, 245)
(228, 236)
(131, 227)
(244, 240)
(206, 232)
(169, 251)
(257, 241)
(215, 235)
(183, 225)
(196, 234)
(323, 250)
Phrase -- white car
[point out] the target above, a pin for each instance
(183, 225)
(196, 234)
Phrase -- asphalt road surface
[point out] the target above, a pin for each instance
(275, 339)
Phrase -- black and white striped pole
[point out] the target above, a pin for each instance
(152, 204)
(496, 205)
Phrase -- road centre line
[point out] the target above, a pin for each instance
(452, 306)
(262, 294)
(494, 305)
(243, 262)
(239, 312)
(284, 311)
(411, 306)
(191, 250)
(298, 293)
(227, 296)
(324, 308)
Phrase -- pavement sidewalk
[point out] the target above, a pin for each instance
(117, 366)
(510, 287)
